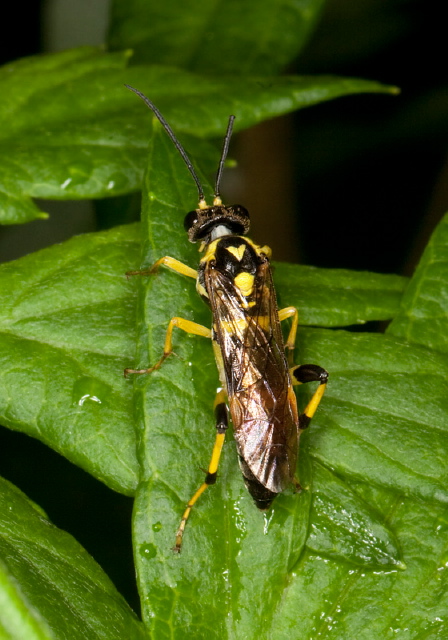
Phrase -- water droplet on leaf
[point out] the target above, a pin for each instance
(148, 551)
(89, 392)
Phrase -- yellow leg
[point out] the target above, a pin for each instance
(210, 478)
(306, 372)
(186, 325)
(287, 312)
(312, 405)
(171, 263)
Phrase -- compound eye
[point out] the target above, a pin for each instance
(190, 220)
(241, 211)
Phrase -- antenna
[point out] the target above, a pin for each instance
(225, 148)
(178, 145)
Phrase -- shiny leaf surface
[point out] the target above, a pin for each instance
(67, 331)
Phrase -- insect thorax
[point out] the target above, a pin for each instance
(237, 258)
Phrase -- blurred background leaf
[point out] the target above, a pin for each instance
(208, 37)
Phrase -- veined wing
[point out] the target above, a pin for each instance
(262, 401)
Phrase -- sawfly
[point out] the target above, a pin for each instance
(234, 279)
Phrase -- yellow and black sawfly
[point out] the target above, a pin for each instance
(234, 279)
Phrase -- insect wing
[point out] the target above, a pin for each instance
(262, 401)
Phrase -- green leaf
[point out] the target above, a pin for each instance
(17, 618)
(238, 567)
(40, 112)
(67, 331)
(337, 297)
(423, 317)
(49, 586)
(374, 423)
(344, 527)
(329, 599)
(69, 129)
(218, 38)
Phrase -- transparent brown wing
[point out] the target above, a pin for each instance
(262, 402)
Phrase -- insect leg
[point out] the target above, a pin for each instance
(305, 372)
(210, 478)
(287, 312)
(171, 263)
(186, 325)
(310, 373)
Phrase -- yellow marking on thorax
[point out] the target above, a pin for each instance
(245, 283)
(210, 251)
(266, 250)
(240, 325)
(238, 252)
(259, 250)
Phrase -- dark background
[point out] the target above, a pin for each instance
(357, 183)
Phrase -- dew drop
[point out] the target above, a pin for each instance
(148, 551)
(87, 396)
(89, 392)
